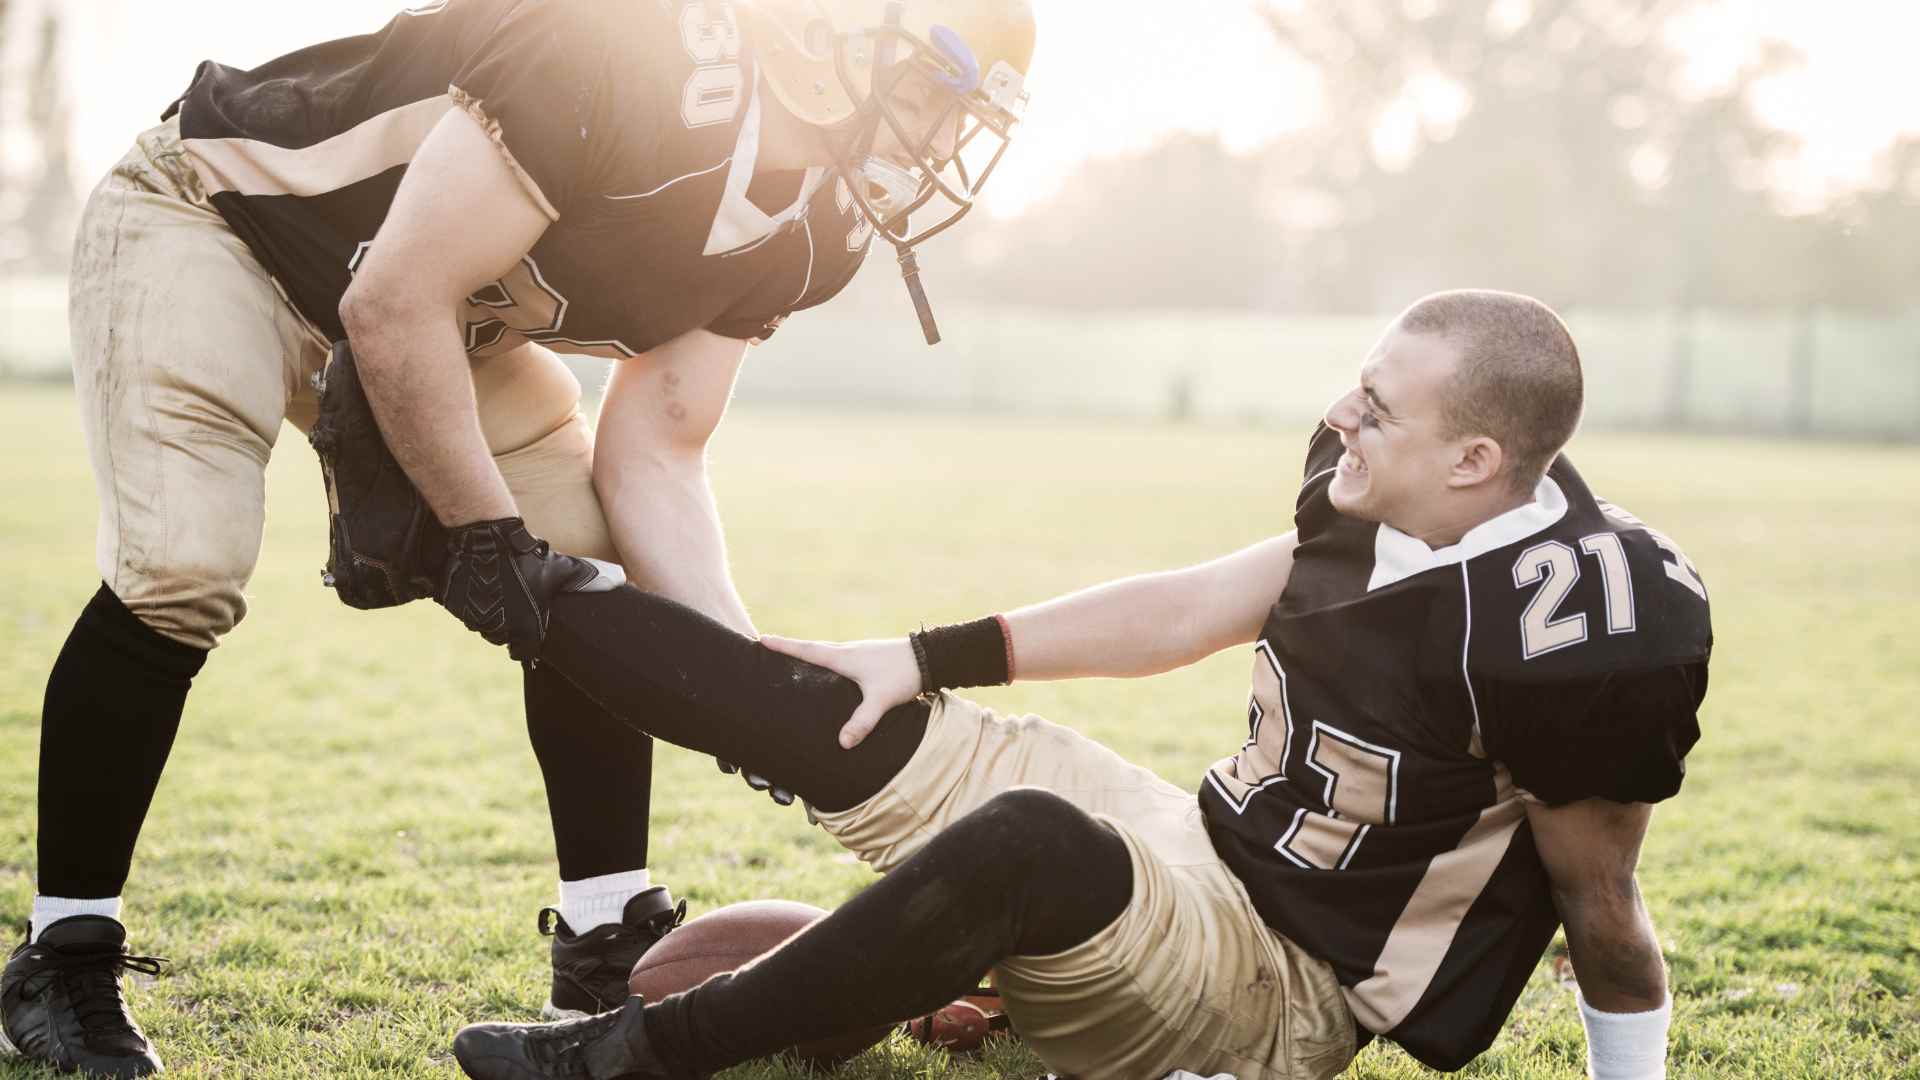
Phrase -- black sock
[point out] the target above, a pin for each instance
(1027, 874)
(685, 678)
(112, 708)
(599, 774)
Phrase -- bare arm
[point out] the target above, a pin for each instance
(1136, 626)
(650, 471)
(1590, 849)
(459, 220)
(1151, 623)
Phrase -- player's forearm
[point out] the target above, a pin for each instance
(661, 511)
(1152, 623)
(417, 381)
(1133, 627)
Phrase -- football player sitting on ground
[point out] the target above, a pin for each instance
(1471, 679)
(475, 187)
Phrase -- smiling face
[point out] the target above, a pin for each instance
(1400, 465)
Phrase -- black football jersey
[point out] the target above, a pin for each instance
(1406, 701)
(634, 124)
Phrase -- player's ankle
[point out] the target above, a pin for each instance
(590, 903)
(48, 910)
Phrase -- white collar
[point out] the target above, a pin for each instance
(1397, 556)
(738, 223)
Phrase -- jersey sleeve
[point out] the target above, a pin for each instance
(538, 84)
(1323, 451)
(833, 251)
(760, 313)
(1622, 736)
(1313, 512)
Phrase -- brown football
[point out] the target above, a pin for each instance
(964, 1026)
(726, 939)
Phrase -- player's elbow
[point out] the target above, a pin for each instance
(365, 310)
(657, 432)
(653, 461)
(374, 307)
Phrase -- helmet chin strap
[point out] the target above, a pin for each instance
(898, 184)
(910, 273)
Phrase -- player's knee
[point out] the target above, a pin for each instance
(1032, 831)
(197, 614)
(126, 630)
(521, 396)
(195, 604)
(551, 480)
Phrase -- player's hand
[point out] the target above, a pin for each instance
(884, 669)
(501, 582)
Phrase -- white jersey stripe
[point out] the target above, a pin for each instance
(808, 283)
(379, 143)
(1475, 746)
(1419, 940)
(670, 183)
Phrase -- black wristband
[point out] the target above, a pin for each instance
(967, 654)
(919, 644)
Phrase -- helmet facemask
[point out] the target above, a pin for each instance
(982, 127)
(980, 109)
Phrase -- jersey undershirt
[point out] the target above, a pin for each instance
(633, 124)
(1405, 704)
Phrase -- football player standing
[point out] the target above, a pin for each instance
(1472, 678)
(466, 192)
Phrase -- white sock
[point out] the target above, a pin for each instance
(596, 901)
(48, 910)
(1627, 1046)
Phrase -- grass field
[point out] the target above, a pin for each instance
(346, 855)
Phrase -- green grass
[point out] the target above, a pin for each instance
(346, 854)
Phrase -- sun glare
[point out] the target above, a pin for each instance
(1105, 85)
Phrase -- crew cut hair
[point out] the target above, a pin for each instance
(1519, 379)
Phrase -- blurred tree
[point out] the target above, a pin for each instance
(6, 166)
(37, 202)
(1867, 239)
(1545, 145)
(1180, 226)
(1560, 147)
(50, 208)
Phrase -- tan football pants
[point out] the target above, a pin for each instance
(1188, 977)
(187, 357)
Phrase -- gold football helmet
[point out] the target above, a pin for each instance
(837, 64)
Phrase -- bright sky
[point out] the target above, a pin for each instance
(1103, 82)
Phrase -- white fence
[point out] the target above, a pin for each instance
(1815, 373)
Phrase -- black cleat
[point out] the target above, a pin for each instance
(610, 1046)
(590, 970)
(60, 1000)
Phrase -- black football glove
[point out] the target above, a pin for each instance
(501, 582)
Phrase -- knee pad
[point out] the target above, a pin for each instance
(1043, 871)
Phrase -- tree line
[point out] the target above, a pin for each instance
(1569, 158)
(38, 206)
